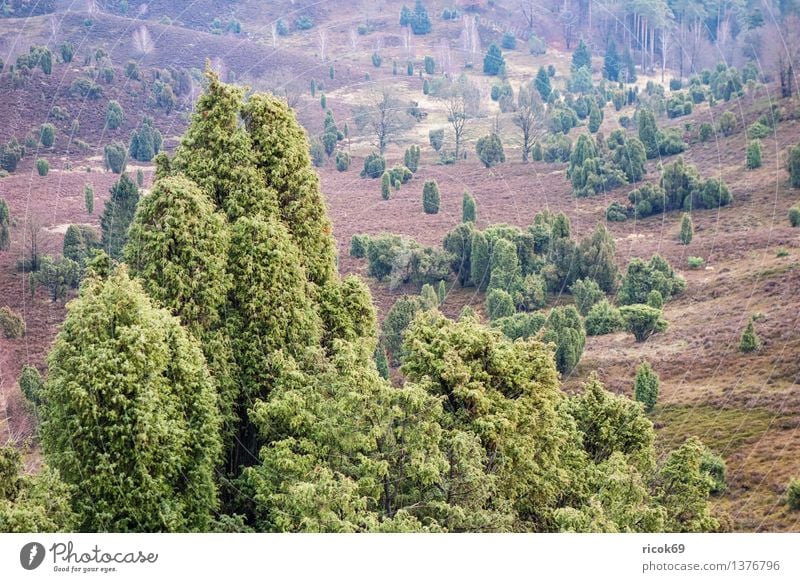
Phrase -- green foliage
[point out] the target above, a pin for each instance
(646, 386)
(616, 212)
(582, 57)
(612, 64)
(596, 259)
(145, 142)
(430, 197)
(648, 133)
(628, 154)
(31, 385)
(10, 154)
(115, 116)
(695, 262)
(715, 467)
(504, 267)
(129, 379)
(479, 257)
(429, 297)
(542, 83)
(794, 216)
(654, 299)
(57, 276)
(403, 260)
(37, 56)
(603, 318)
(397, 320)
(47, 135)
(42, 167)
(792, 164)
(642, 320)
(727, 123)
(5, 223)
(374, 166)
(556, 148)
(642, 277)
(595, 119)
(687, 229)
(118, 215)
(386, 185)
(436, 138)
(358, 245)
(499, 304)
(115, 157)
(32, 503)
(342, 160)
(683, 490)
(581, 81)
(429, 65)
(490, 150)
(586, 293)
(79, 242)
(493, 61)
(67, 50)
(88, 198)
(11, 324)
(411, 158)
(469, 212)
(753, 159)
(458, 242)
(749, 341)
(793, 494)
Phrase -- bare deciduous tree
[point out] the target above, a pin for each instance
(383, 117)
(529, 117)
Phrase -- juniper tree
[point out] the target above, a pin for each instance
(133, 384)
(386, 185)
(469, 212)
(504, 267)
(5, 223)
(648, 133)
(117, 216)
(428, 297)
(687, 229)
(430, 197)
(793, 165)
(542, 83)
(458, 242)
(749, 341)
(642, 320)
(646, 386)
(753, 159)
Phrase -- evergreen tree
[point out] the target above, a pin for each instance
(642, 320)
(430, 197)
(586, 293)
(499, 304)
(490, 150)
(749, 341)
(504, 266)
(88, 198)
(129, 380)
(479, 268)
(582, 57)
(793, 165)
(648, 133)
(611, 62)
(753, 160)
(493, 61)
(441, 292)
(595, 118)
(428, 297)
(597, 258)
(5, 223)
(386, 185)
(118, 215)
(458, 242)
(115, 157)
(31, 385)
(381, 363)
(646, 386)
(469, 212)
(411, 158)
(542, 83)
(603, 318)
(115, 116)
(687, 229)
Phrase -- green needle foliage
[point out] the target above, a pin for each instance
(646, 386)
(749, 341)
(129, 413)
(687, 229)
(469, 211)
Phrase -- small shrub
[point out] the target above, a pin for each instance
(714, 466)
(687, 230)
(603, 318)
(42, 166)
(794, 216)
(342, 161)
(793, 494)
(436, 138)
(376, 60)
(490, 150)
(749, 341)
(727, 123)
(47, 134)
(358, 246)
(753, 159)
(374, 166)
(642, 321)
(695, 262)
(386, 185)
(11, 324)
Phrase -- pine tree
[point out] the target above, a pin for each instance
(469, 212)
(646, 386)
(749, 341)
(118, 215)
(131, 382)
(687, 229)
